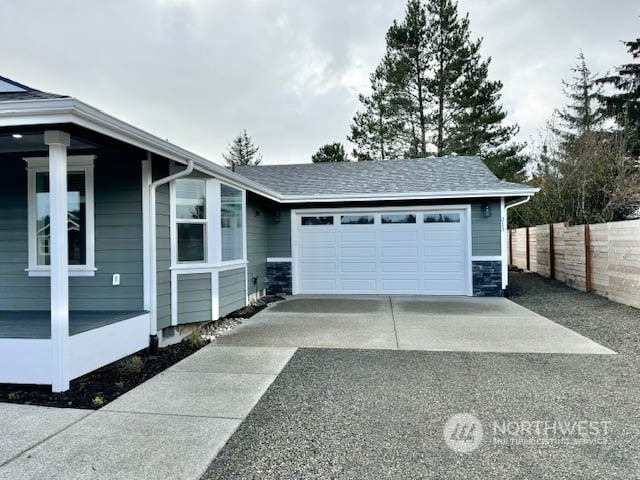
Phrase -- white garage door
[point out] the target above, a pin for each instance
(423, 252)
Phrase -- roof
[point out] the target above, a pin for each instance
(11, 90)
(428, 177)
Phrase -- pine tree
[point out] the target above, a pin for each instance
(376, 131)
(331, 152)
(242, 151)
(624, 104)
(583, 114)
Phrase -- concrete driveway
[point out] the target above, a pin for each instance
(465, 324)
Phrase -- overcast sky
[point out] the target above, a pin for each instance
(196, 72)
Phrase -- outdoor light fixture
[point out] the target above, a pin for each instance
(17, 135)
(486, 208)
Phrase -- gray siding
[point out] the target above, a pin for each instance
(485, 232)
(232, 290)
(163, 245)
(257, 223)
(279, 237)
(118, 240)
(194, 298)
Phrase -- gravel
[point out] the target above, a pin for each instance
(380, 414)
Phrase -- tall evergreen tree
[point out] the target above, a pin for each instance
(438, 97)
(583, 114)
(377, 131)
(624, 103)
(242, 151)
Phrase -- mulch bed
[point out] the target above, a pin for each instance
(98, 388)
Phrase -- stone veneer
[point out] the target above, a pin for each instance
(280, 278)
(487, 278)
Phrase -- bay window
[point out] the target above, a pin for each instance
(231, 217)
(191, 220)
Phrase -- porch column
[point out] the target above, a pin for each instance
(59, 256)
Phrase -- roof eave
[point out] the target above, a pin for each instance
(71, 110)
(525, 192)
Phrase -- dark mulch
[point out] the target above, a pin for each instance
(102, 386)
(98, 388)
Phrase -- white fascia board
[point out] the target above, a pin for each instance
(525, 192)
(71, 110)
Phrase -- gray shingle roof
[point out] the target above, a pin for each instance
(423, 175)
(11, 91)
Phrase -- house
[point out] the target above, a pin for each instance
(112, 237)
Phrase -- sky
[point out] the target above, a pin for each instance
(198, 72)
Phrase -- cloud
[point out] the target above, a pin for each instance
(197, 72)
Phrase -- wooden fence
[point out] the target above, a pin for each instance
(602, 258)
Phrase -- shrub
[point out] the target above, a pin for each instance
(195, 339)
(131, 365)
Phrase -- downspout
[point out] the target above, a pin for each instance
(153, 287)
(505, 267)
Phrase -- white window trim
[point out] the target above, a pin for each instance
(82, 163)
(213, 230)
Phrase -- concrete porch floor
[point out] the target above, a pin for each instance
(468, 324)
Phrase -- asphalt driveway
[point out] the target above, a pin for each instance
(464, 324)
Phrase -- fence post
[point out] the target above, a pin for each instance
(510, 247)
(552, 253)
(587, 258)
(527, 250)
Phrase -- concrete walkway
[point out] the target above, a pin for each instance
(464, 324)
(172, 426)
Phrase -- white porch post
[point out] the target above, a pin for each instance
(58, 143)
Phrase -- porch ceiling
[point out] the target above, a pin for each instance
(33, 142)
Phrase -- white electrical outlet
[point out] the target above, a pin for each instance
(116, 279)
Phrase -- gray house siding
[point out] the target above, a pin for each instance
(163, 245)
(194, 297)
(485, 231)
(257, 228)
(279, 238)
(232, 290)
(118, 241)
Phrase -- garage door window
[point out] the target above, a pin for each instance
(442, 217)
(399, 218)
(356, 220)
(317, 220)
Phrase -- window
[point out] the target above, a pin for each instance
(191, 219)
(80, 220)
(356, 220)
(442, 217)
(317, 220)
(231, 217)
(399, 218)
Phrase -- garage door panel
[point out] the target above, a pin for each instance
(315, 235)
(358, 267)
(401, 258)
(318, 252)
(358, 285)
(318, 267)
(399, 252)
(399, 234)
(358, 237)
(321, 285)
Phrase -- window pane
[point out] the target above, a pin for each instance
(231, 223)
(356, 219)
(399, 218)
(190, 242)
(317, 220)
(442, 217)
(76, 218)
(190, 199)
